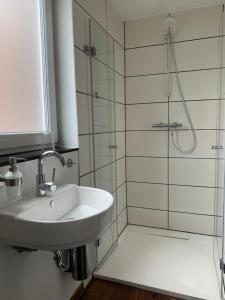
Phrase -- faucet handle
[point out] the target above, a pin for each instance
(50, 186)
(53, 174)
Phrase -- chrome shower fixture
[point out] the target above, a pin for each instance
(172, 70)
(170, 22)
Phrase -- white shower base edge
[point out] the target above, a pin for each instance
(169, 262)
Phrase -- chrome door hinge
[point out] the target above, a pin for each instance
(222, 266)
(93, 51)
(217, 147)
(113, 146)
(98, 242)
(90, 50)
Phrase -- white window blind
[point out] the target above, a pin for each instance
(21, 84)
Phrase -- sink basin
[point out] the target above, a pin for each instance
(71, 217)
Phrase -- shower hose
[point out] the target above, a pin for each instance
(175, 134)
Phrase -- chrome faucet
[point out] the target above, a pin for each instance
(42, 186)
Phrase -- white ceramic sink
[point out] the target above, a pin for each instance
(71, 217)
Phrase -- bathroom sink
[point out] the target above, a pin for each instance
(72, 216)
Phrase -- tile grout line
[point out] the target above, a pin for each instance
(183, 71)
(174, 184)
(175, 42)
(175, 211)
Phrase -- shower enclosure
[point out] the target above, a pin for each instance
(97, 51)
(168, 187)
(101, 49)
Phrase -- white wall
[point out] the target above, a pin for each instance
(167, 189)
(34, 275)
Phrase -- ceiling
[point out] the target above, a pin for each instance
(135, 9)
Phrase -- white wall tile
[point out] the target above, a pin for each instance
(119, 88)
(153, 88)
(145, 89)
(100, 79)
(220, 172)
(86, 154)
(119, 58)
(203, 114)
(81, 26)
(192, 24)
(114, 174)
(122, 221)
(105, 244)
(147, 143)
(87, 180)
(145, 169)
(101, 150)
(63, 174)
(101, 43)
(145, 31)
(120, 117)
(141, 117)
(197, 85)
(198, 23)
(147, 217)
(121, 177)
(96, 8)
(218, 230)
(191, 223)
(83, 78)
(103, 178)
(101, 115)
(84, 111)
(192, 199)
(115, 24)
(218, 201)
(114, 212)
(196, 172)
(205, 140)
(149, 60)
(200, 54)
(147, 195)
(121, 198)
(114, 232)
(120, 142)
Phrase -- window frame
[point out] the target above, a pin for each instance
(33, 140)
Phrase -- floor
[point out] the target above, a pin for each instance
(168, 262)
(105, 290)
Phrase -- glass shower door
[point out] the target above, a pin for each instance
(219, 201)
(103, 116)
(219, 255)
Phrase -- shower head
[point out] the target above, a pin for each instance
(170, 22)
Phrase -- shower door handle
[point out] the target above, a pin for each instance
(217, 147)
(113, 147)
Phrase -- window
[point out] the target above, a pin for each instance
(27, 91)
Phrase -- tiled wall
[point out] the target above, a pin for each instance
(165, 188)
(105, 19)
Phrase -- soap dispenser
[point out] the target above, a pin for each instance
(13, 179)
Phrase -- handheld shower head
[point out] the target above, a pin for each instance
(170, 22)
